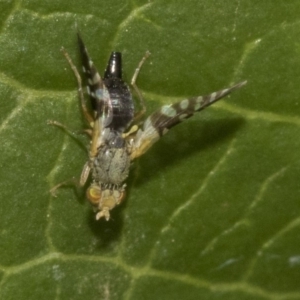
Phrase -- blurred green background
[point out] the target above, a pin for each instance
(212, 210)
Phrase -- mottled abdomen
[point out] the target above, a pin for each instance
(111, 165)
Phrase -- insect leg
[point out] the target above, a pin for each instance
(84, 109)
(86, 168)
(84, 174)
(73, 181)
(83, 178)
(135, 87)
(72, 133)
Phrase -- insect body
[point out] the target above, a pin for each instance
(114, 144)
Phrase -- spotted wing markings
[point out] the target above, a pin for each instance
(96, 89)
(159, 123)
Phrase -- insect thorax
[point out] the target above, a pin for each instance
(111, 165)
(110, 168)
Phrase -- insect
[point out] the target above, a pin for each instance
(116, 139)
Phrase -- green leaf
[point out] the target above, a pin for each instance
(212, 210)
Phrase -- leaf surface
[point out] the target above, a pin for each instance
(212, 210)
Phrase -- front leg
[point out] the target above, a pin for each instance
(83, 178)
(85, 173)
(72, 181)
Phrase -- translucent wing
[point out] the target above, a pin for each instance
(159, 123)
(99, 95)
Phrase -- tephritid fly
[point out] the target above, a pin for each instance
(116, 139)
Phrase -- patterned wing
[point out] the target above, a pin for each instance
(99, 95)
(159, 123)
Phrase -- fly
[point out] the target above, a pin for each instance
(115, 138)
